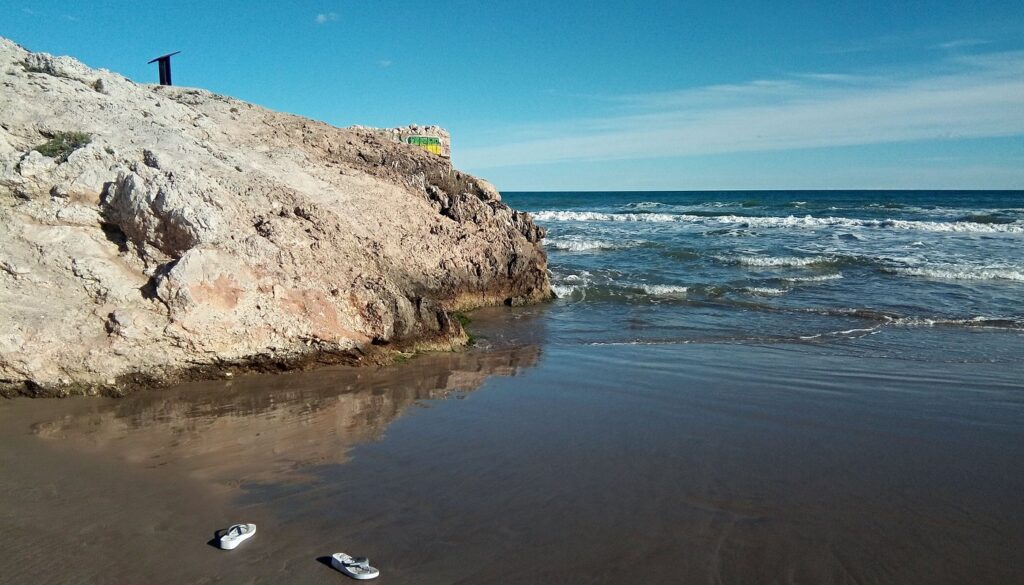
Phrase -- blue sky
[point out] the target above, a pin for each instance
(587, 95)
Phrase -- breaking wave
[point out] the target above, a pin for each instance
(565, 290)
(980, 322)
(958, 272)
(816, 278)
(585, 245)
(779, 261)
(664, 289)
(766, 290)
(791, 221)
(601, 216)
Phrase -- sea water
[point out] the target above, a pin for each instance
(875, 272)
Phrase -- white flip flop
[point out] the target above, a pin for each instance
(355, 567)
(236, 535)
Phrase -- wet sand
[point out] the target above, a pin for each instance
(530, 460)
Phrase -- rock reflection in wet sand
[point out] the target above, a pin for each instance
(269, 428)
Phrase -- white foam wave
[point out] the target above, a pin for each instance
(817, 278)
(571, 285)
(980, 322)
(565, 290)
(581, 245)
(956, 272)
(764, 290)
(843, 333)
(577, 244)
(599, 216)
(778, 261)
(664, 289)
(792, 221)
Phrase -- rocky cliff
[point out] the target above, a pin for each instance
(151, 234)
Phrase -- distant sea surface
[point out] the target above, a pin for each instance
(871, 272)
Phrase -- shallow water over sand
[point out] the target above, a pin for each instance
(539, 459)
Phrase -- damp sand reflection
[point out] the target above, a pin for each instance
(264, 429)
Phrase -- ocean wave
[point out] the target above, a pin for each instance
(734, 232)
(601, 216)
(959, 272)
(988, 218)
(980, 322)
(778, 261)
(816, 278)
(887, 318)
(566, 290)
(664, 289)
(791, 221)
(847, 333)
(581, 290)
(586, 245)
(856, 313)
(808, 221)
(581, 287)
(765, 291)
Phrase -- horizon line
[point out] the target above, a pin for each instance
(1021, 190)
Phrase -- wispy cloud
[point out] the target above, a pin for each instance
(325, 17)
(385, 63)
(65, 17)
(966, 96)
(961, 44)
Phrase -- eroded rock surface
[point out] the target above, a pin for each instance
(196, 233)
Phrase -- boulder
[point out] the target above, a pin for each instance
(194, 234)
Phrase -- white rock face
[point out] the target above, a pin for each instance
(196, 234)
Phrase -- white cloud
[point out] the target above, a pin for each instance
(961, 43)
(385, 63)
(325, 17)
(971, 96)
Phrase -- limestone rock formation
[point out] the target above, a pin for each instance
(406, 132)
(150, 234)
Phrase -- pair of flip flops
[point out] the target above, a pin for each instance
(355, 567)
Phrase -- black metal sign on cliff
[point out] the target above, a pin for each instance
(164, 63)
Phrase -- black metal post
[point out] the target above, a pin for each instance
(165, 71)
(163, 62)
